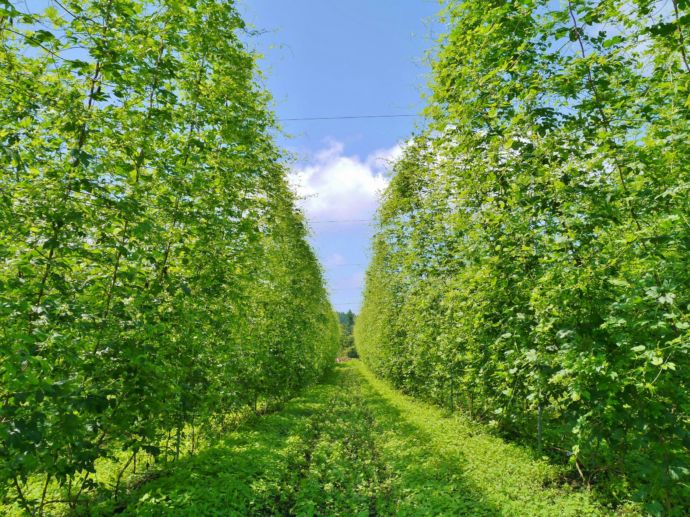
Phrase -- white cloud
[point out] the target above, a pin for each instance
(337, 186)
(382, 160)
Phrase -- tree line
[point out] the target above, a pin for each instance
(531, 256)
(154, 269)
(347, 339)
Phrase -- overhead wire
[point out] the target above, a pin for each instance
(349, 117)
(341, 221)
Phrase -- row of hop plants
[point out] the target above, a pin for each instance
(531, 257)
(154, 271)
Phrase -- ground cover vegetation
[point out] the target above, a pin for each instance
(354, 446)
(531, 258)
(154, 271)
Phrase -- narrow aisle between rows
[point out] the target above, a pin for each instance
(354, 446)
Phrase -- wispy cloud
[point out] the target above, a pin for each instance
(336, 259)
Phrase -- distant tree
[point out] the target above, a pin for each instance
(347, 342)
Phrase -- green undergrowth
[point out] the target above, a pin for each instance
(451, 465)
(120, 470)
(316, 456)
(354, 446)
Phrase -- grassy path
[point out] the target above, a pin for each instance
(354, 446)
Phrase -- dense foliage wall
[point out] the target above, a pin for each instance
(154, 271)
(531, 260)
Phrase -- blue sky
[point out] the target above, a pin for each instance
(330, 58)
